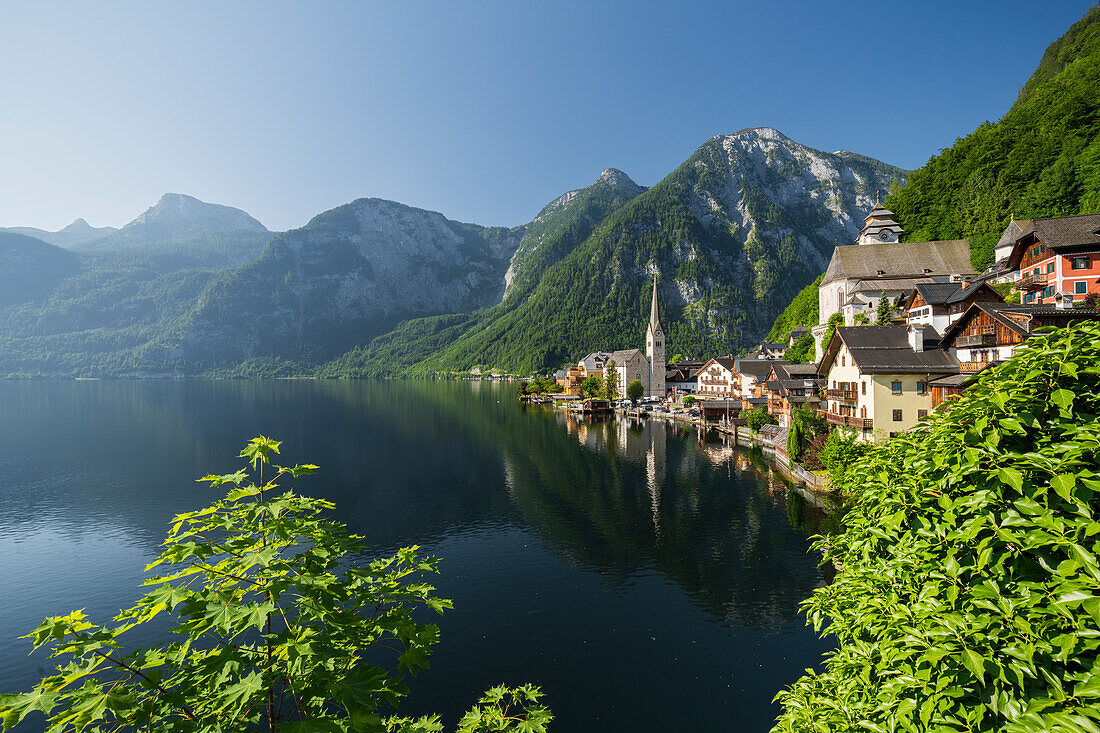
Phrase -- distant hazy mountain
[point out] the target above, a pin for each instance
(76, 233)
(349, 275)
(177, 216)
(30, 268)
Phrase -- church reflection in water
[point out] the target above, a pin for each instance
(634, 497)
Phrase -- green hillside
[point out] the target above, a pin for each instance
(803, 311)
(1041, 159)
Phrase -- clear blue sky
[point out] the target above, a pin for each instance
(484, 111)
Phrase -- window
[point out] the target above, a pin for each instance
(1080, 287)
(842, 361)
(1080, 263)
(897, 415)
(920, 387)
(895, 388)
(921, 414)
(1035, 271)
(864, 386)
(863, 412)
(1050, 267)
(1029, 298)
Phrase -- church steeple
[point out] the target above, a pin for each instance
(879, 227)
(655, 348)
(654, 316)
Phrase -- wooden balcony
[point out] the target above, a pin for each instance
(1032, 282)
(848, 421)
(981, 339)
(972, 366)
(843, 395)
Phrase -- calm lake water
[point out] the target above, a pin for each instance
(646, 580)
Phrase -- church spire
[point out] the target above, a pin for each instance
(654, 317)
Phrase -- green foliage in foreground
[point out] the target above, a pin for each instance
(969, 598)
(273, 621)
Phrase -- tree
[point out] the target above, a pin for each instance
(758, 418)
(273, 621)
(796, 440)
(688, 400)
(883, 311)
(634, 391)
(590, 386)
(610, 380)
(802, 351)
(676, 359)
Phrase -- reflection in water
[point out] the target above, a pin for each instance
(646, 576)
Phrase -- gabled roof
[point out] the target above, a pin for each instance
(1067, 231)
(886, 350)
(726, 362)
(950, 293)
(1003, 313)
(622, 356)
(756, 368)
(595, 360)
(899, 260)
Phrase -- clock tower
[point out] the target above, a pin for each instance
(655, 349)
(879, 227)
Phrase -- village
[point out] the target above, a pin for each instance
(904, 328)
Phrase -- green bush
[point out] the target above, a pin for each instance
(969, 598)
(274, 616)
(689, 401)
(839, 454)
(758, 418)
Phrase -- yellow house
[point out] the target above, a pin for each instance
(877, 377)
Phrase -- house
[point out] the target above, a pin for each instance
(749, 374)
(949, 388)
(572, 378)
(877, 377)
(717, 378)
(682, 377)
(1057, 255)
(1001, 271)
(592, 365)
(788, 387)
(991, 332)
(940, 304)
(879, 265)
(771, 350)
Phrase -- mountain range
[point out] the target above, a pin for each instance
(375, 287)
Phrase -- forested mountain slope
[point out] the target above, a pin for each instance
(733, 234)
(1041, 159)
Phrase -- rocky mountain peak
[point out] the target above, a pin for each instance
(616, 178)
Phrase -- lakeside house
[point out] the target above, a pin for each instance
(683, 377)
(940, 304)
(750, 374)
(717, 378)
(991, 332)
(1056, 256)
(788, 387)
(877, 377)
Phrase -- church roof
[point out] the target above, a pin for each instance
(899, 260)
(654, 316)
(622, 356)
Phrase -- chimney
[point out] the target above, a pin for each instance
(965, 283)
(916, 338)
(1063, 301)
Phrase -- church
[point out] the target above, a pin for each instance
(880, 265)
(649, 369)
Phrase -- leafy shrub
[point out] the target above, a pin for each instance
(688, 400)
(839, 454)
(969, 598)
(273, 621)
(758, 418)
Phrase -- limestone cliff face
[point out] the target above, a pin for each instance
(347, 276)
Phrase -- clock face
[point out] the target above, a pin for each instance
(884, 235)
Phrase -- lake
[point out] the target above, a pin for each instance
(647, 580)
